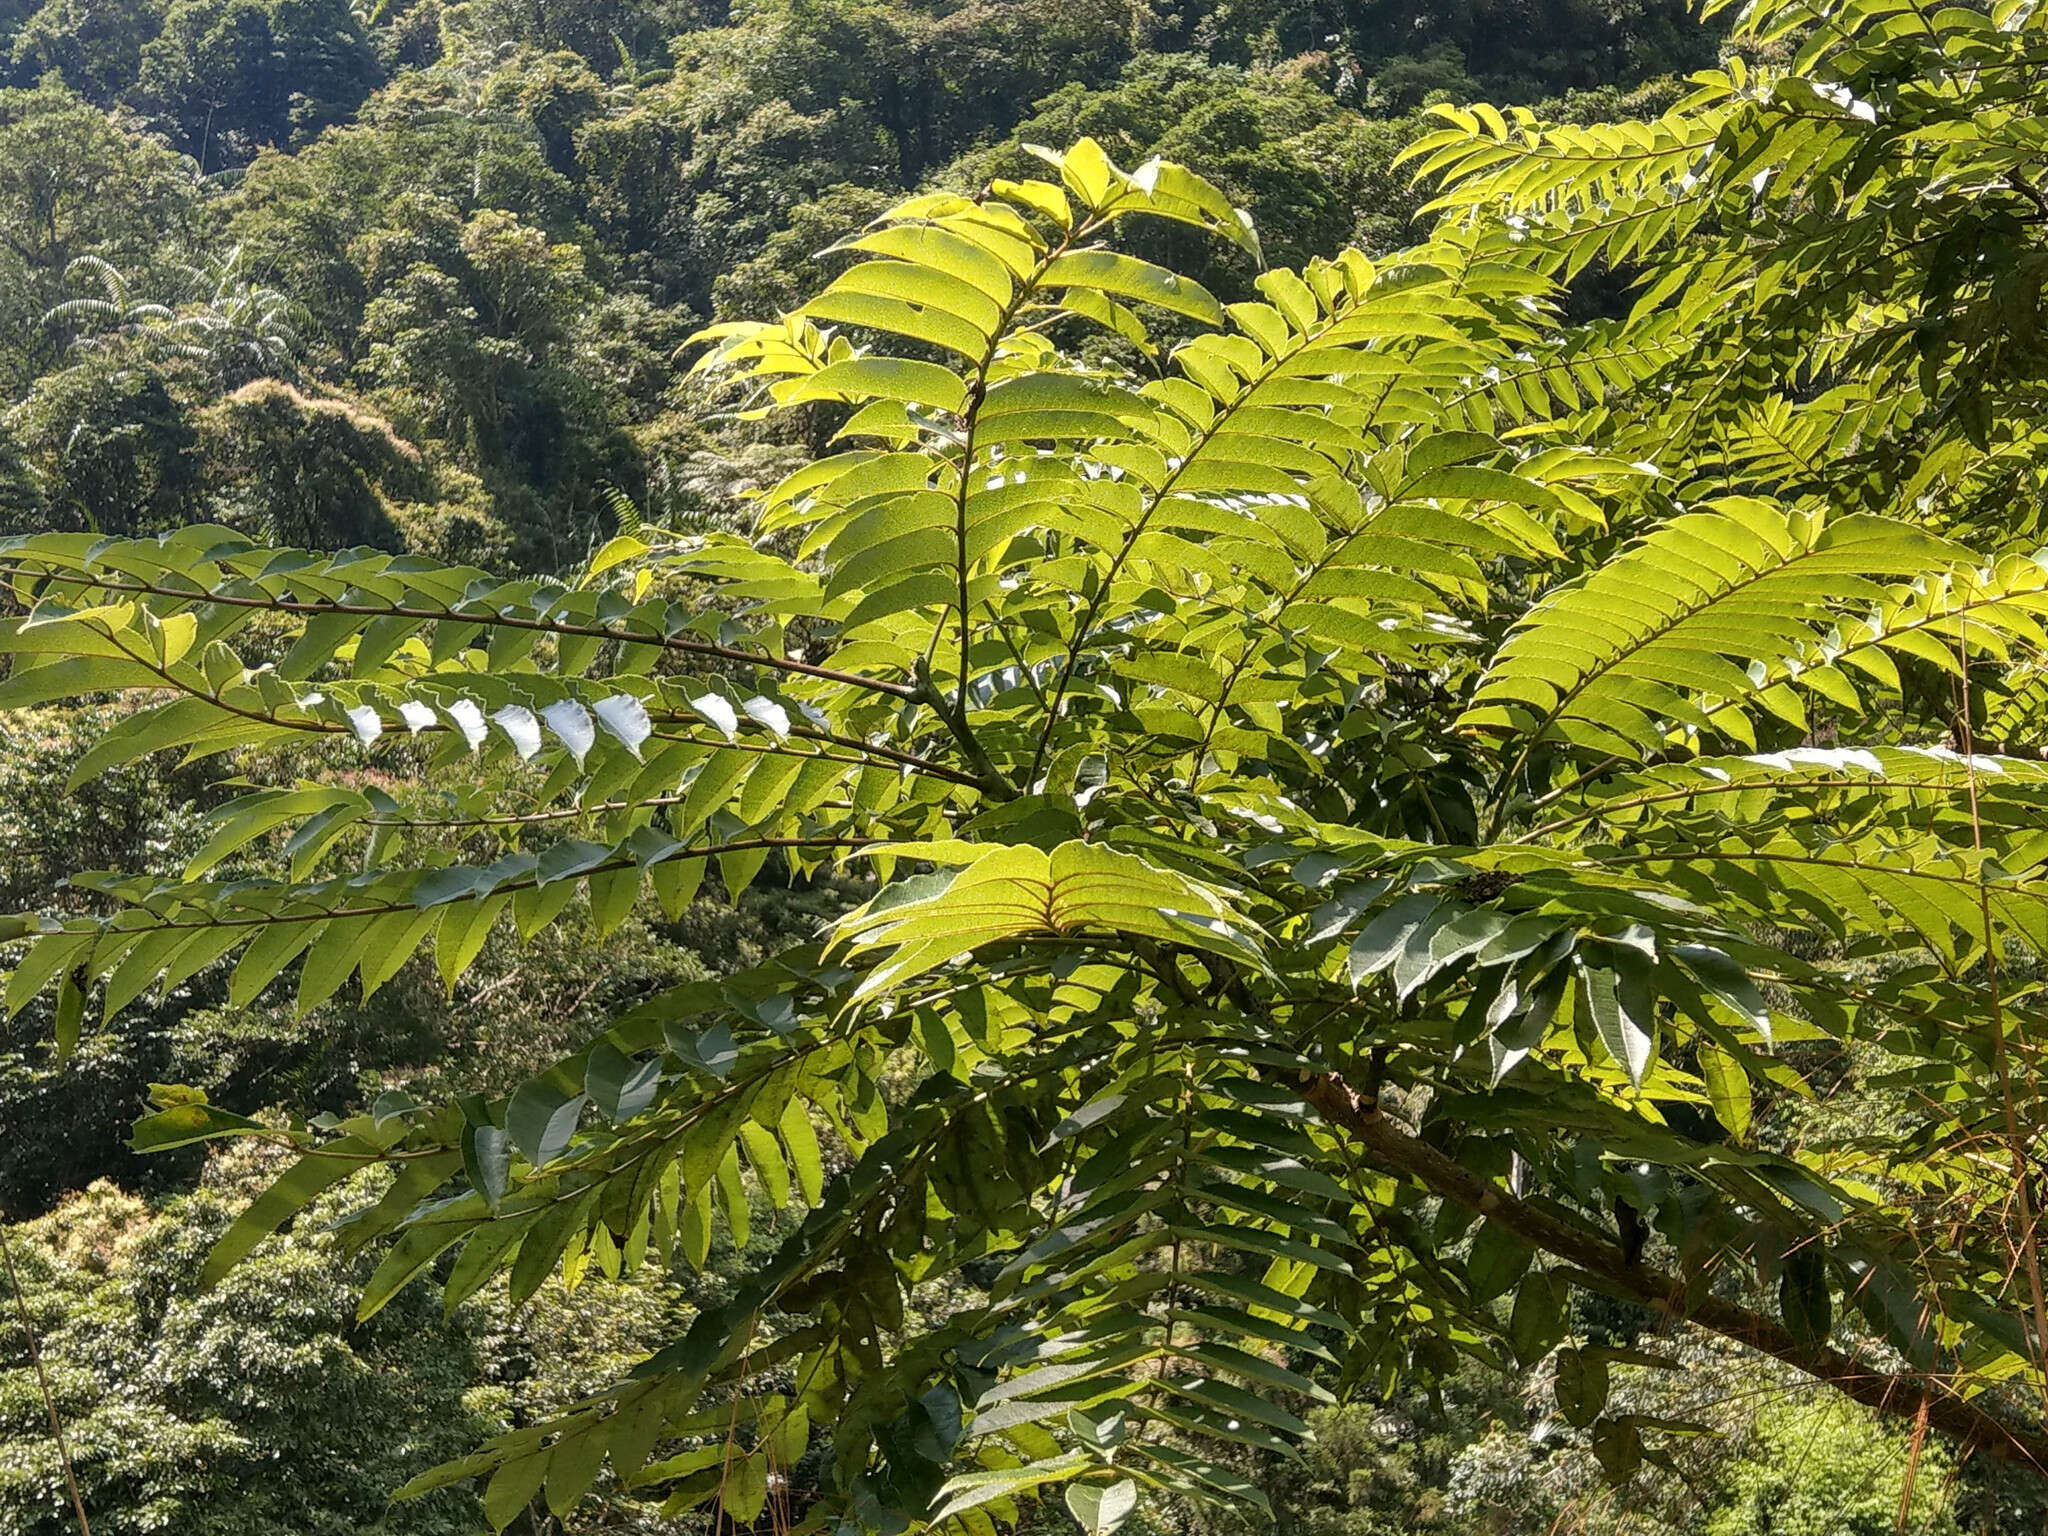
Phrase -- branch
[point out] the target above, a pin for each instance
(35, 1358)
(2030, 192)
(952, 713)
(1898, 1396)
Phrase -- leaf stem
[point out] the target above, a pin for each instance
(500, 620)
(610, 866)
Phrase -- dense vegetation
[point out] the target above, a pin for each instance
(420, 277)
(1416, 941)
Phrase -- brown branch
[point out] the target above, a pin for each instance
(1900, 1396)
(952, 713)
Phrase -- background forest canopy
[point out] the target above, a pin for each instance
(420, 274)
(1521, 1012)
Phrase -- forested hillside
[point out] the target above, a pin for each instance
(419, 275)
(1029, 801)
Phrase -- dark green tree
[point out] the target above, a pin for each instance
(75, 181)
(556, 92)
(112, 440)
(229, 77)
(308, 469)
(96, 50)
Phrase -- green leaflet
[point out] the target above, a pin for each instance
(330, 959)
(1101, 1509)
(1581, 1385)
(462, 934)
(1619, 1002)
(1130, 278)
(289, 1194)
(181, 1124)
(541, 1117)
(1538, 1320)
(67, 677)
(70, 1015)
(269, 952)
(764, 1156)
(1497, 1261)
(416, 1248)
(48, 954)
(512, 1487)
(804, 1156)
(918, 321)
(971, 1489)
(1727, 1088)
(884, 378)
(1020, 890)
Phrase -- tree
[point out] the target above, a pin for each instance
(240, 330)
(299, 217)
(1367, 806)
(470, 336)
(114, 313)
(1305, 168)
(236, 330)
(93, 49)
(931, 82)
(1820, 1474)
(1518, 49)
(112, 442)
(607, 35)
(229, 77)
(302, 469)
(556, 92)
(180, 1405)
(12, 15)
(75, 181)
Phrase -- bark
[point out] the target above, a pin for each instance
(1901, 1395)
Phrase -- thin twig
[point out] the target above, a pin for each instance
(2016, 1145)
(1916, 1446)
(35, 1359)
